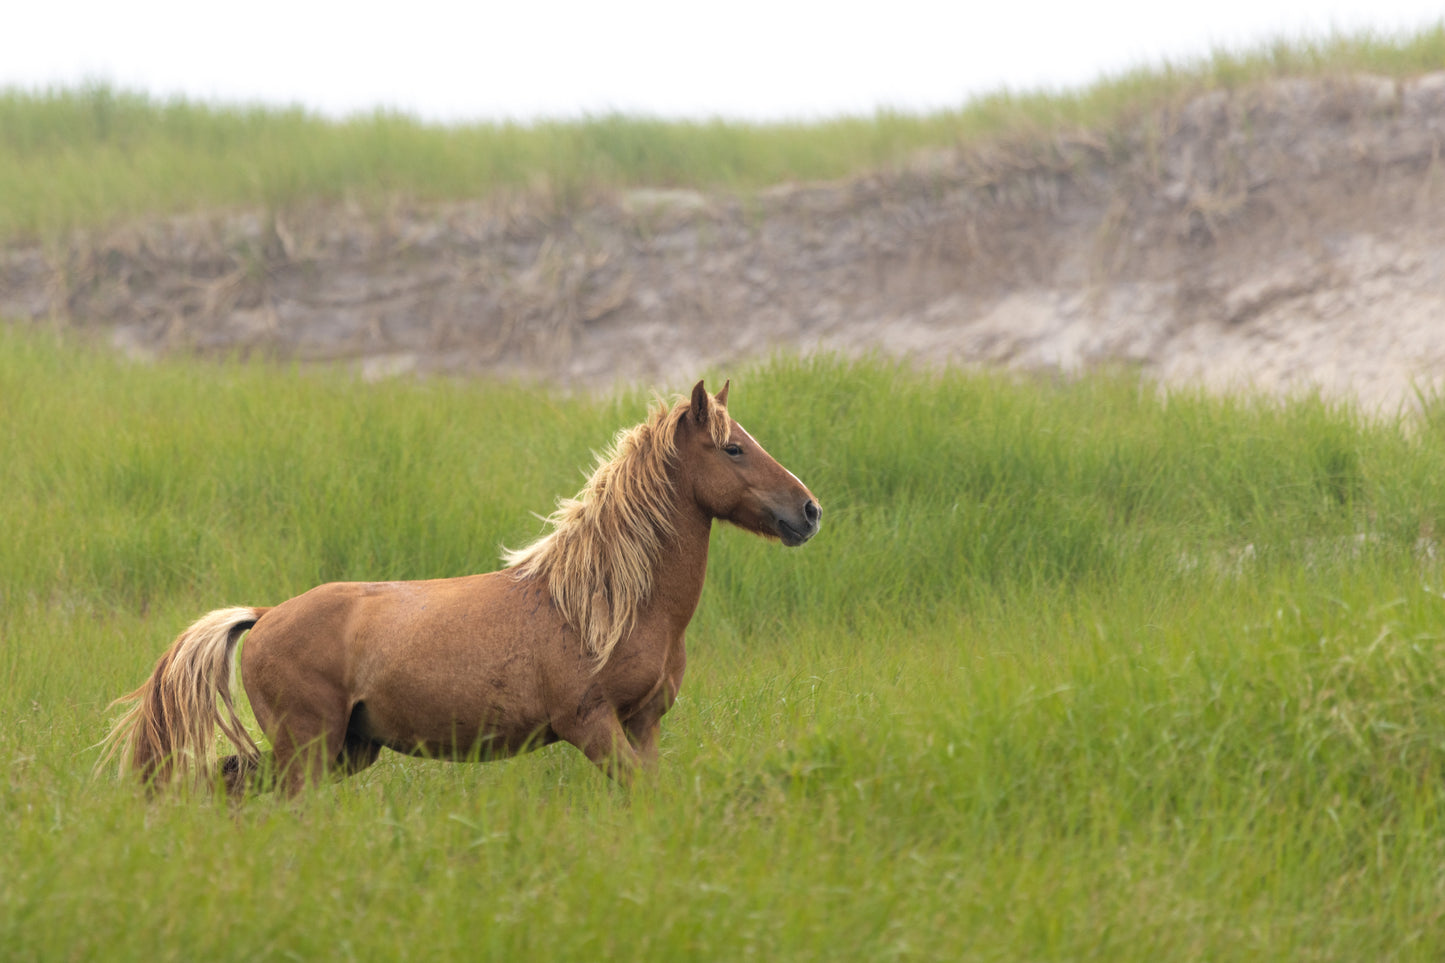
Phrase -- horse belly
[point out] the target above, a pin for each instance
(438, 693)
(446, 707)
(463, 740)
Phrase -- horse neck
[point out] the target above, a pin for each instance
(680, 569)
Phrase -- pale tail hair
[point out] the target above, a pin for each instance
(169, 731)
(604, 546)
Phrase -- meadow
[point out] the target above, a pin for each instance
(1073, 670)
(97, 156)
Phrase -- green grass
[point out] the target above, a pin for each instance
(94, 156)
(1071, 671)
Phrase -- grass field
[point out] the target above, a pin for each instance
(77, 158)
(1071, 672)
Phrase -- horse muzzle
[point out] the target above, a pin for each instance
(794, 530)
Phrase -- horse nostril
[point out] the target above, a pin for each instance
(812, 512)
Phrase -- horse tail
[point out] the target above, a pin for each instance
(170, 727)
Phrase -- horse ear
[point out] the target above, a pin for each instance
(700, 404)
(722, 396)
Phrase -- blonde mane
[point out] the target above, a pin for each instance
(604, 546)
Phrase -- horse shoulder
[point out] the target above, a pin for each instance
(645, 670)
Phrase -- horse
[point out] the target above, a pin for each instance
(578, 638)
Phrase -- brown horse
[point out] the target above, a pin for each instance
(579, 639)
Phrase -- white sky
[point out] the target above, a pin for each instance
(453, 61)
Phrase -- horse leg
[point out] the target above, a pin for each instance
(308, 734)
(356, 755)
(644, 731)
(306, 752)
(244, 776)
(601, 737)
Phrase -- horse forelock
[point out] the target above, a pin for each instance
(600, 556)
(719, 424)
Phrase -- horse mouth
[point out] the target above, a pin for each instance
(793, 536)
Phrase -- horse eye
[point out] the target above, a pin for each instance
(733, 450)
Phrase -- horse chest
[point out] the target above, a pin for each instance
(649, 685)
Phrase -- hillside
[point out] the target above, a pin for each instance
(1282, 235)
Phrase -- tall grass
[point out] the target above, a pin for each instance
(94, 155)
(1071, 671)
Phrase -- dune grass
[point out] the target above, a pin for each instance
(1071, 671)
(94, 156)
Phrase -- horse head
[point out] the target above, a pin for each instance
(734, 479)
